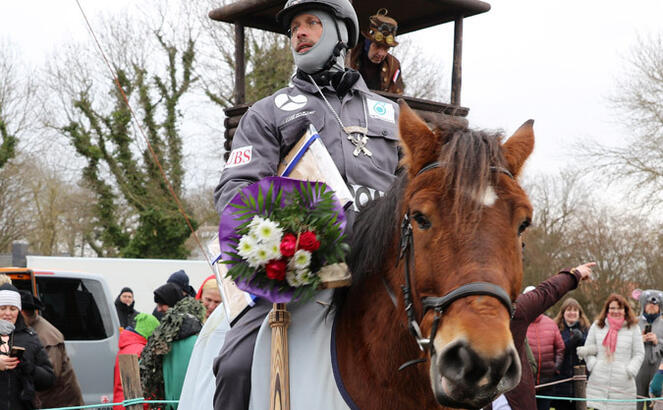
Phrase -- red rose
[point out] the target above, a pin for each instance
(288, 244)
(276, 269)
(308, 241)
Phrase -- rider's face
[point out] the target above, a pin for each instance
(305, 31)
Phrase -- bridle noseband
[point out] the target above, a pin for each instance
(440, 303)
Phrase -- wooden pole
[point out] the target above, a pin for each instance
(580, 386)
(457, 72)
(240, 68)
(279, 394)
(130, 376)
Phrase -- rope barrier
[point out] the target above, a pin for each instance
(576, 377)
(602, 400)
(125, 403)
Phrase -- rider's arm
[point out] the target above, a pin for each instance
(255, 154)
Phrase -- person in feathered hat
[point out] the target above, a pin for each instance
(380, 70)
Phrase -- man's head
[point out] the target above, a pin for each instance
(211, 297)
(320, 31)
(127, 296)
(181, 279)
(29, 305)
(145, 324)
(166, 296)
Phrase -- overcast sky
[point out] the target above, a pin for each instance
(553, 61)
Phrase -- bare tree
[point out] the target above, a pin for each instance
(17, 92)
(638, 103)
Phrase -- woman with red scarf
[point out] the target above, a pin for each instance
(613, 352)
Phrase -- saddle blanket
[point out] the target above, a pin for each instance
(314, 379)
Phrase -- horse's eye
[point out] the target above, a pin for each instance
(527, 222)
(421, 220)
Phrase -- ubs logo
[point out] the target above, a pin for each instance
(287, 102)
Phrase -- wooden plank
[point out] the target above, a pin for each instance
(130, 376)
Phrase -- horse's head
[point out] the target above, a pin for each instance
(466, 212)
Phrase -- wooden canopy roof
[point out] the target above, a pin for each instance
(411, 15)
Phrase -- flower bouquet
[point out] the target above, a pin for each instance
(279, 234)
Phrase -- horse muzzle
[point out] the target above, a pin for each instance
(460, 377)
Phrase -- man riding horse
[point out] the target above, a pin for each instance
(357, 126)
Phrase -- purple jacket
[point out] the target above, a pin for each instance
(528, 307)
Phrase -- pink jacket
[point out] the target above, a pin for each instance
(547, 346)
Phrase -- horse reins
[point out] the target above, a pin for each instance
(439, 303)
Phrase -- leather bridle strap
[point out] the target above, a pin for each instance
(469, 289)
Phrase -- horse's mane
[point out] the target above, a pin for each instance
(467, 157)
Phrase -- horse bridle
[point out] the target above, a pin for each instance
(439, 303)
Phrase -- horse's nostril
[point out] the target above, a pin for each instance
(461, 364)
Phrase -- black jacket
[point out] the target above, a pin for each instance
(126, 313)
(17, 386)
(573, 337)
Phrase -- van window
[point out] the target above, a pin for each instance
(77, 307)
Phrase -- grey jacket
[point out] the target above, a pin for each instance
(272, 126)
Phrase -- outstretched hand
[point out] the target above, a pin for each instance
(585, 270)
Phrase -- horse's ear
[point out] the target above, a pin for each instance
(519, 147)
(420, 144)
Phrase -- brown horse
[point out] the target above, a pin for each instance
(450, 226)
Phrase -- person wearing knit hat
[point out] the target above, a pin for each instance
(124, 305)
(381, 70)
(166, 296)
(132, 341)
(209, 295)
(34, 370)
(66, 391)
(181, 279)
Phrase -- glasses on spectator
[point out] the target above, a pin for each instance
(615, 308)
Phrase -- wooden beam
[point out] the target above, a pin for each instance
(456, 73)
(130, 376)
(240, 66)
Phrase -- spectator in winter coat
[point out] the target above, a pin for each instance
(651, 325)
(19, 379)
(573, 325)
(613, 352)
(528, 307)
(124, 304)
(548, 348)
(132, 341)
(166, 356)
(66, 391)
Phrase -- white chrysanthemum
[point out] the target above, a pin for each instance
(255, 222)
(293, 278)
(247, 246)
(301, 260)
(273, 250)
(263, 254)
(304, 276)
(268, 231)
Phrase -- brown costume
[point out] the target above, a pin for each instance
(65, 391)
(385, 76)
(388, 72)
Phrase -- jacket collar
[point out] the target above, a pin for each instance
(307, 86)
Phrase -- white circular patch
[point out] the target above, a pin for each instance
(290, 102)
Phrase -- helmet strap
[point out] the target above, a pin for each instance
(338, 49)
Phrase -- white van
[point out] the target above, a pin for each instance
(80, 306)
